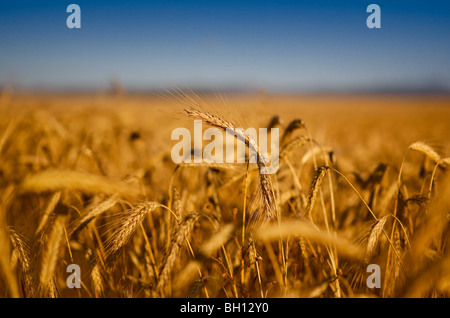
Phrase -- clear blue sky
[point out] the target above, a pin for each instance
(277, 45)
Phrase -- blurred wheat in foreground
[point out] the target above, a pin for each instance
(90, 181)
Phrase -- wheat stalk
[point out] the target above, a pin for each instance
(422, 147)
(316, 182)
(51, 251)
(292, 145)
(129, 223)
(49, 210)
(293, 125)
(97, 281)
(307, 230)
(56, 180)
(93, 213)
(7, 268)
(269, 204)
(22, 252)
(374, 236)
(181, 234)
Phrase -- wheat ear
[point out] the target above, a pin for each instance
(181, 234)
(314, 188)
(22, 252)
(93, 213)
(129, 223)
(51, 252)
(422, 147)
(374, 237)
(269, 206)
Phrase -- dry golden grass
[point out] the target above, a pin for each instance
(89, 180)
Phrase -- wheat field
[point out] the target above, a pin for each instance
(89, 180)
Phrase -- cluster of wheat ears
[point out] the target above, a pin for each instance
(216, 230)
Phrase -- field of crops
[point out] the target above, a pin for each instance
(89, 180)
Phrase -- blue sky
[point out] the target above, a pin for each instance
(276, 45)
